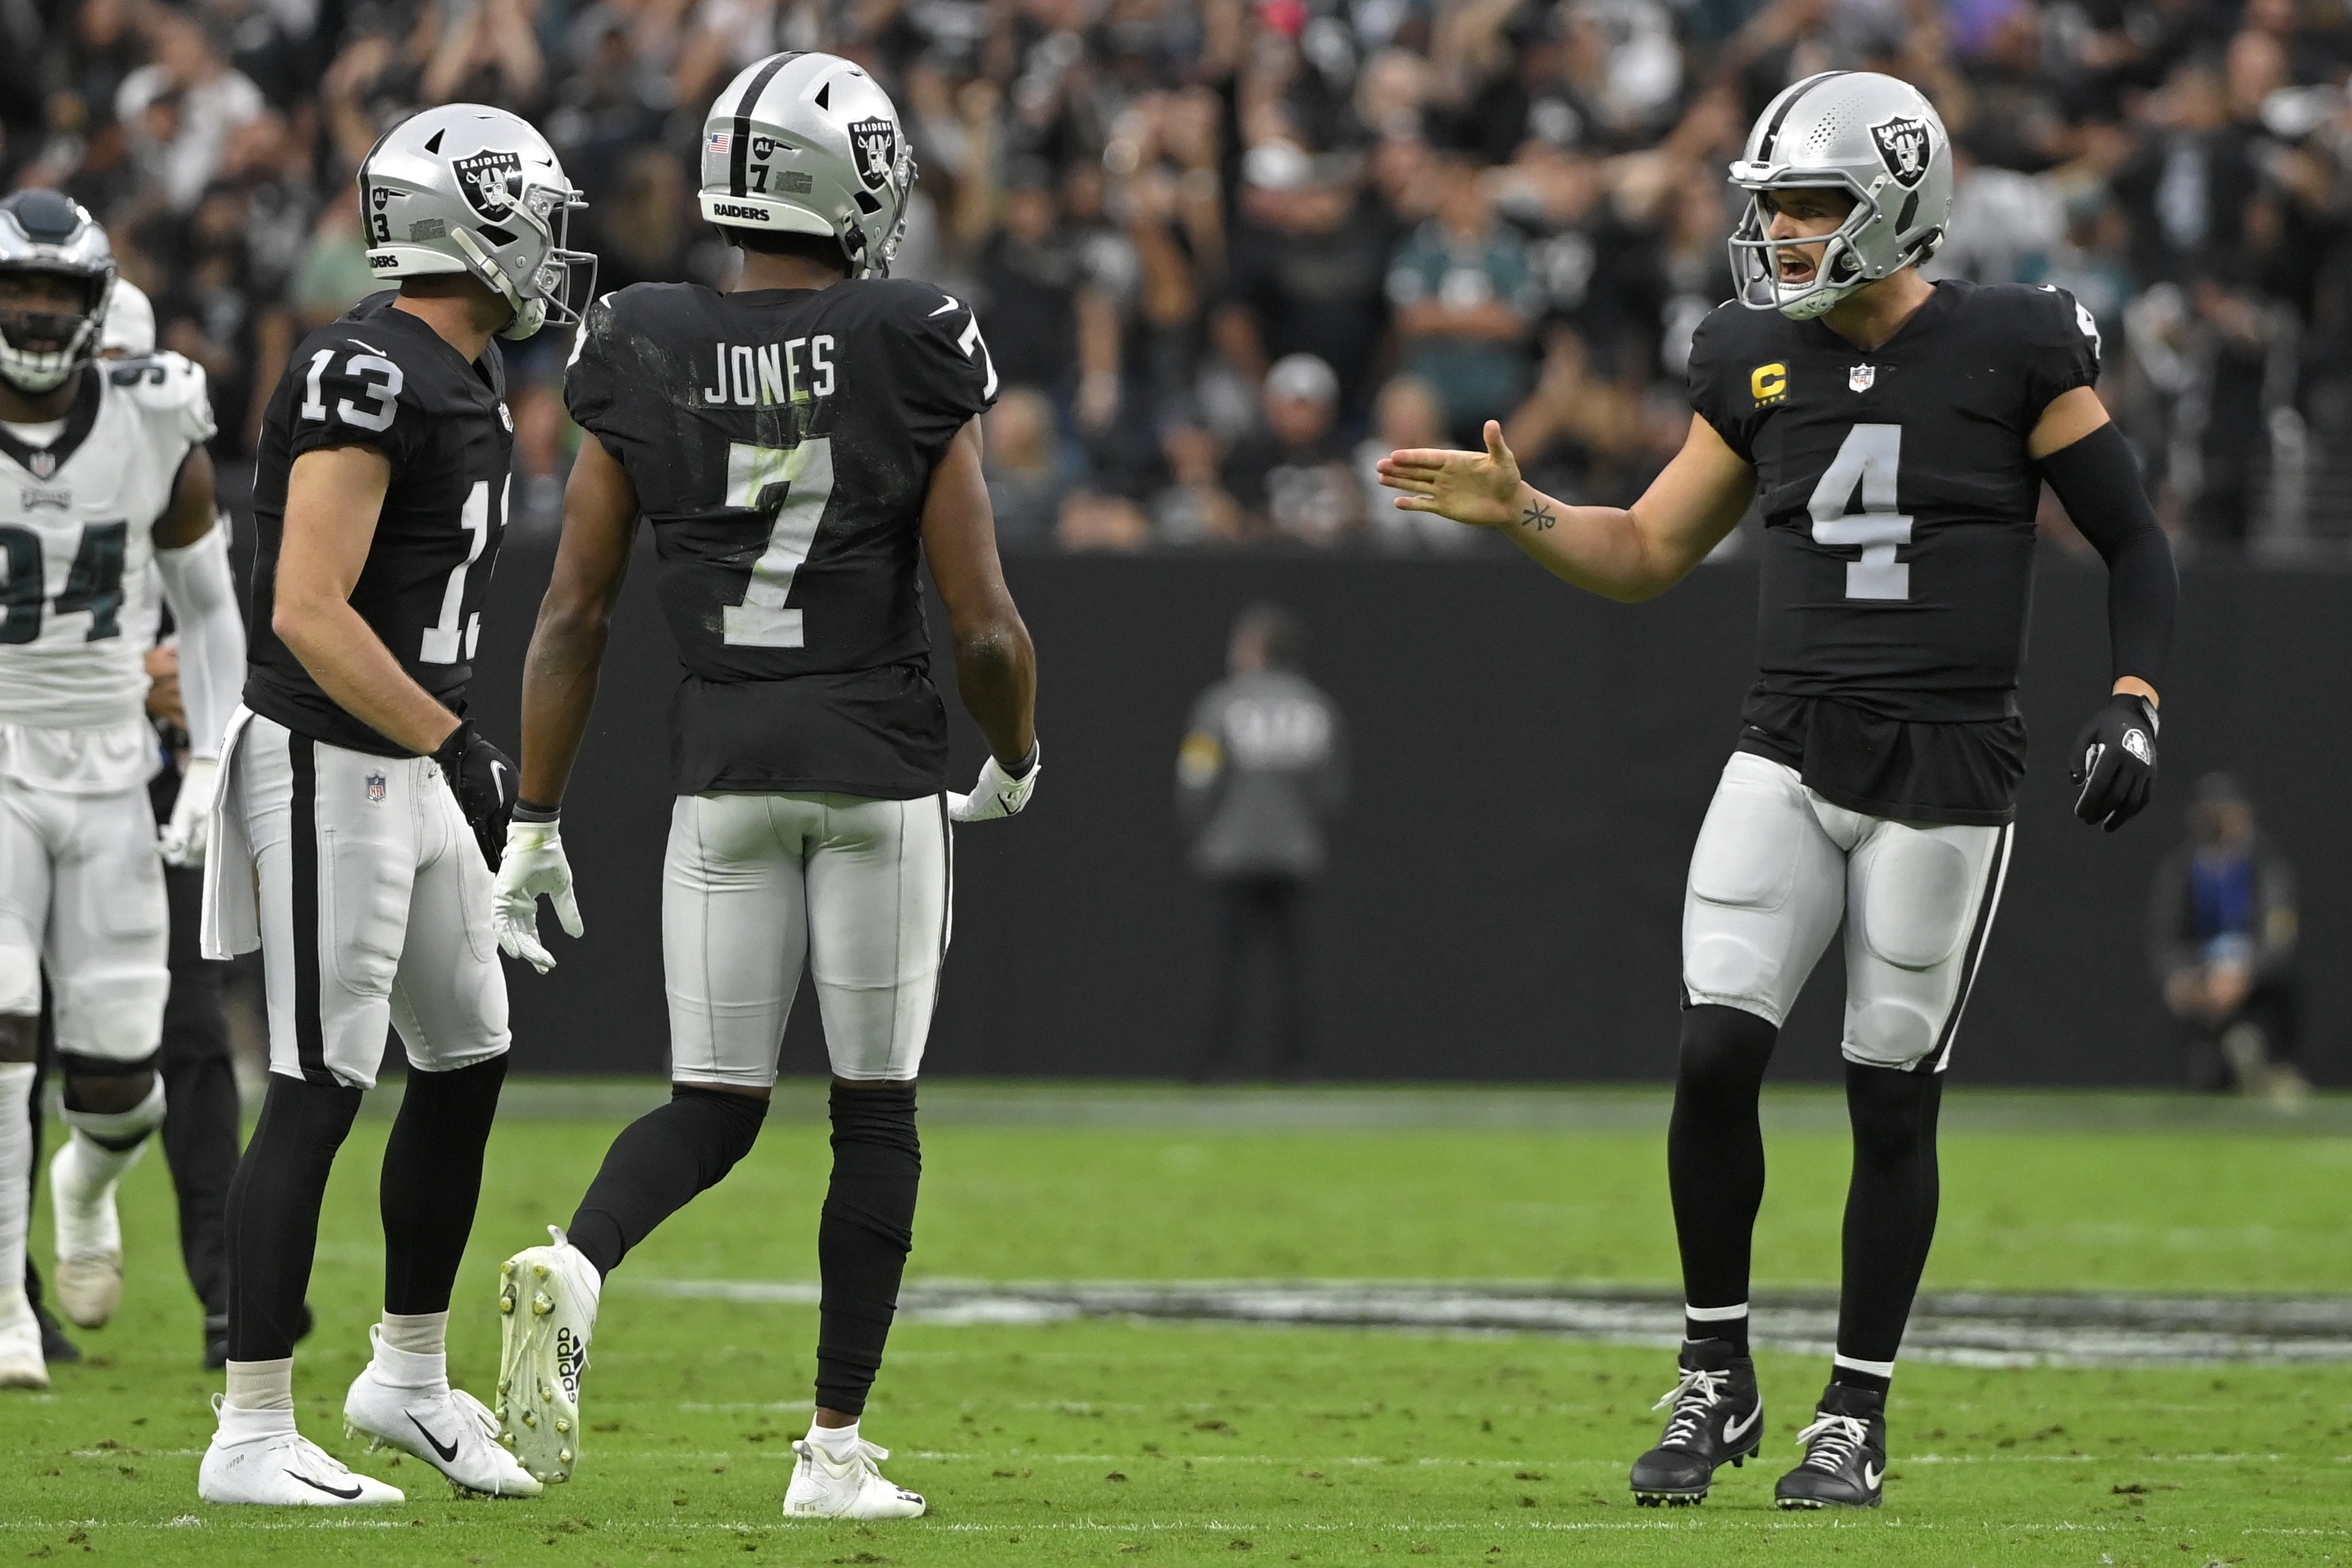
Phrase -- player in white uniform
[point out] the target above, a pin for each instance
(105, 493)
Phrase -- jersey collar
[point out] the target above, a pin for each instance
(1921, 321)
(80, 419)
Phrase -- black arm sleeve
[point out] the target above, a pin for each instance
(2098, 483)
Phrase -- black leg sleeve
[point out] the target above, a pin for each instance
(864, 1238)
(200, 1126)
(431, 1180)
(273, 1213)
(1715, 1149)
(658, 1163)
(1890, 1208)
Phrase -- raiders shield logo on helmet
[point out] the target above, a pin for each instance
(483, 178)
(875, 143)
(1903, 146)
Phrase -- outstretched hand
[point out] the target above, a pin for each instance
(1481, 489)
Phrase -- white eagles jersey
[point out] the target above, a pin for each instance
(78, 588)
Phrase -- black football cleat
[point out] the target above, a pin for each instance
(1846, 1454)
(1718, 1415)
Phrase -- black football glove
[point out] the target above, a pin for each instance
(2114, 762)
(484, 779)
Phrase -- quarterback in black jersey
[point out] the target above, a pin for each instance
(360, 816)
(797, 446)
(1894, 436)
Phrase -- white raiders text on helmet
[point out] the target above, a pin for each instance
(808, 143)
(42, 231)
(467, 188)
(1876, 138)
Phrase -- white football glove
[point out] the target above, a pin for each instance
(533, 864)
(997, 792)
(182, 838)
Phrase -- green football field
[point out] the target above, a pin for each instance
(1117, 1439)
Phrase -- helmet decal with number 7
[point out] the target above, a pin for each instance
(1877, 140)
(472, 189)
(803, 143)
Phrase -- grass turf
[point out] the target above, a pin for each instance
(1111, 1442)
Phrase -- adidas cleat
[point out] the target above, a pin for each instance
(1846, 1454)
(21, 1363)
(547, 1298)
(825, 1488)
(1718, 1416)
(257, 1457)
(446, 1427)
(90, 1237)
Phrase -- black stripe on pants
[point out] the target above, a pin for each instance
(309, 1032)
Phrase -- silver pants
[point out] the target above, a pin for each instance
(756, 885)
(1777, 867)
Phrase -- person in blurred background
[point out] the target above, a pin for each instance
(1260, 774)
(2221, 929)
(1290, 476)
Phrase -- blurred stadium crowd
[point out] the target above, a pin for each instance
(1227, 251)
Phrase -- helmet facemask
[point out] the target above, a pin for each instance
(1839, 272)
(35, 371)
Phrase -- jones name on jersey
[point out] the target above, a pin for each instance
(1898, 502)
(383, 378)
(781, 443)
(77, 543)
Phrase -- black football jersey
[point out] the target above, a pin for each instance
(782, 442)
(383, 378)
(1898, 505)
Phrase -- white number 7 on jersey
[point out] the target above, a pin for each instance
(760, 619)
(1867, 459)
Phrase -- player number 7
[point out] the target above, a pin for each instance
(797, 483)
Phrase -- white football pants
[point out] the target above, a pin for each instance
(1777, 867)
(82, 887)
(755, 884)
(375, 908)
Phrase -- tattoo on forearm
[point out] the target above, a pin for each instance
(1538, 517)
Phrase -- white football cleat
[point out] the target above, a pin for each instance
(21, 1364)
(90, 1237)
(826, 1488)
(547, 1298)
(447, 1428)
(257, 1457)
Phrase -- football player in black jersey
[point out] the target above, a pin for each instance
(798, 446)
(1895, 434)
(359, 814)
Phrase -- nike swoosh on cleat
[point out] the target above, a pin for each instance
(1870, 1478)
(321, 1486)
(447, 1454)
(1735, 1430)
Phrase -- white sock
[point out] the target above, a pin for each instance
(15, 1168)
(411, 1350)
(418, 1333)
(261, 1384)
(86, 1168)
(838, 1442)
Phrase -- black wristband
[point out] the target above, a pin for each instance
(524, 811)
(1028, 763)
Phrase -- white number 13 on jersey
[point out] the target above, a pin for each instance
(1867, 461)
(760, 619)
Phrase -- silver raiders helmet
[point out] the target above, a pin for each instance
(808, 143)
(1869, 135)
(43, 231)
(468, 188)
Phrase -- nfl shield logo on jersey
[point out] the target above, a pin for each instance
(43, 463)
(1860, 377)
(876, 143)
(375, 789)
